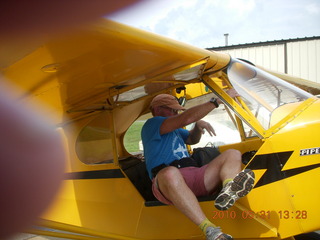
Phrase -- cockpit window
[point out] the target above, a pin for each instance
(191, 73)
(94, 143)
(226, 130)
(261, 91)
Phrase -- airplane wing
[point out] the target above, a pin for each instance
(89, 68)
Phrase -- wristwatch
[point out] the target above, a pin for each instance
(214, 101)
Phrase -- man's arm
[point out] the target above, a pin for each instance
(191, 115)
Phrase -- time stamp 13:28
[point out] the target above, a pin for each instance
(264, 214)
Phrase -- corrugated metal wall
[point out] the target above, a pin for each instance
(297, 57)
(304, 59)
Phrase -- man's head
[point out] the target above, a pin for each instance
(165, 105)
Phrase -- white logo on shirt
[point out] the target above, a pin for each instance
(180, 152)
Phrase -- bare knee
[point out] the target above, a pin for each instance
(233, 154)
(169, 176)
(234, 159)
(230, 156)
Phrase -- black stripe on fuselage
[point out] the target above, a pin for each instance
(97, 174)
(273, 164)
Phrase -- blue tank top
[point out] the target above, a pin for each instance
(162, 149)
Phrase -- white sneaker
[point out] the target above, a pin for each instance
(239, 187)
(216, 234)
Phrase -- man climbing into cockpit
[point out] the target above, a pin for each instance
(176, 177)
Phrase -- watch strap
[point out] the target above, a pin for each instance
(214, 101)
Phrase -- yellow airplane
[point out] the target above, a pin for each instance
(100, 79)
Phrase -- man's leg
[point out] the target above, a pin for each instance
(174, 188)
(226, 168)
(172, 185)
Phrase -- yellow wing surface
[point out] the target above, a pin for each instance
(98, 80)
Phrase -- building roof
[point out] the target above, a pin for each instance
(267, 43)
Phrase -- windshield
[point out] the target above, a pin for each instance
(261, 91)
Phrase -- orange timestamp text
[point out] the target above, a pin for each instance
(263, 214)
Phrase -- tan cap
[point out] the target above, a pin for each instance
(166, 100)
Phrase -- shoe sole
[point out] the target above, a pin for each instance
(224, 236)
(240, 187)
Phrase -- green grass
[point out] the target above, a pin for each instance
(133, 136)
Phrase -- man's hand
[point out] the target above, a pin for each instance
(232, 93)
(203, 125)
(198, 130)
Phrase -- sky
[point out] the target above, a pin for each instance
(203, 23)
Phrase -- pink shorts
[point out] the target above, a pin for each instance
(194, 178)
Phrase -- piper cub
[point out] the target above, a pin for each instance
(99, 82)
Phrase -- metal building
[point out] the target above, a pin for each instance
(298, 57)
